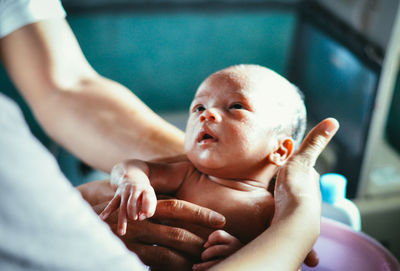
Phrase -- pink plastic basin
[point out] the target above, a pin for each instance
(341, 248)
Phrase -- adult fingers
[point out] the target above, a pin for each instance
(316, 141)
(217, 251)
(161, 258)
(162, 235)
(165, 236)
(98, 208)
(188, 212)
(312, 259)
(205, 265)
(199, 230)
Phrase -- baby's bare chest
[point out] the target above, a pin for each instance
(247, 213)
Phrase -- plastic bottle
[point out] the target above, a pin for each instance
(334, 202)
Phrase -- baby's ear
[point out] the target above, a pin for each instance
(282, 153)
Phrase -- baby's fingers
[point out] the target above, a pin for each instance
(122, 219)
(133, 204)
(204, 266)
(149, 203)
(218, 251)
(111, 207)
(220, 237)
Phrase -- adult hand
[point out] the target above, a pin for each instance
(165, 247)
(296, 223)
(298, 182)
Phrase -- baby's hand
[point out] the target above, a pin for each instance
(219, 245)
(135, 198)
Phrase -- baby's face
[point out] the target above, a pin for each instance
(230, 127)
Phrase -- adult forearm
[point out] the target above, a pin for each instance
(103, 123)
(97, 119)
(283, 246)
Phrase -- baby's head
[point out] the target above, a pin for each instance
(243, 118)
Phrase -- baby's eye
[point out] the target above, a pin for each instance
(199, 108)
(236, 106)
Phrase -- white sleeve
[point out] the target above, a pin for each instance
(44, 222)
(17, 13)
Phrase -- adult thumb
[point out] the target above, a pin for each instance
(316, 141)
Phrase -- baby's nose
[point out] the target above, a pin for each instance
(210, 115)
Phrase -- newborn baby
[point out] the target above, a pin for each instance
(245, 122)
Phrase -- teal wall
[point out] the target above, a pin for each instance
(163, 56)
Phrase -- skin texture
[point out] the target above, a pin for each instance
(66, 95)
(227, 107)
(283, 246)
(230, 116)
(296, 223)
(177, 247)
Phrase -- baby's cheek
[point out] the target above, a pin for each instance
(263, 136)
(189, 141)
(247, 135)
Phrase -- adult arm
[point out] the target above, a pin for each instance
(77, 107)
(296, 223)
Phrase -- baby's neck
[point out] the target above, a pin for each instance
(256, 177)
(242, 184)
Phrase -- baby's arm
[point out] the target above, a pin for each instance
(219, 245)
(137, 180)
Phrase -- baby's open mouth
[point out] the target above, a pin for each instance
(204, 136)
(207, 136)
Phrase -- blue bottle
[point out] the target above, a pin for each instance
(334, 202)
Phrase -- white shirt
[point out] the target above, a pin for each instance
(44, 222)
(17, 13)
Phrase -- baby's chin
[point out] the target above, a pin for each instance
(205, 163)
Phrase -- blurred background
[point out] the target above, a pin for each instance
(344, 55)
